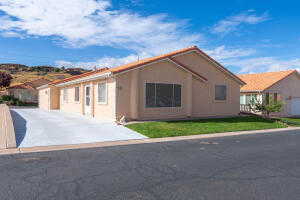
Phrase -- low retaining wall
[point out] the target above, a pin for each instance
(7, 131)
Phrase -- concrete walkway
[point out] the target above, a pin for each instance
(35, 127)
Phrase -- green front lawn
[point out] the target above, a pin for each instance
(203, 126)
(291, 121)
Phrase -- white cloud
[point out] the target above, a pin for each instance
(101, 62)
(80, 23)
(232, 23)
(263, 64)
(11, 34)
(221, 52)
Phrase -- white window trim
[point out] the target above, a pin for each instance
(106, 93)
(78, 94)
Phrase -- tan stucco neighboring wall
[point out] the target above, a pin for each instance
(25, 95)
(197, 96)
(288, 88)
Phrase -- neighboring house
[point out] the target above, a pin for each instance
(182, 84)
(27, 92)
(282, 85)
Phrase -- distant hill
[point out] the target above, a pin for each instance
(22, 73)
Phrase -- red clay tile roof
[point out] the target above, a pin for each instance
(142, 62)
(263, 81)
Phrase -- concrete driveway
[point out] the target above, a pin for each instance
(35, 127)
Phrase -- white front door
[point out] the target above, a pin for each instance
(87, 100)
(295, 106)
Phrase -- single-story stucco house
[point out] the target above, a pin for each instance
(282, 85)
(181, 84)
(27, 92)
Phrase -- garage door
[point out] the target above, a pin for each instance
(295, 107)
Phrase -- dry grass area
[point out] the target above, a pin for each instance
(22, 77)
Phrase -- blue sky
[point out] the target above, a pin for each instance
(245, 36)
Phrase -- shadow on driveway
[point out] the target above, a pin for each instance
(20, 127)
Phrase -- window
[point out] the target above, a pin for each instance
(267, 97)
(102, 93)
(65, 93)
(243, 99)
(220, 92)
(163, 95)
(275, 97)
(76, 94)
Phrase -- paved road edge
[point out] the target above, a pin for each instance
(140, 141)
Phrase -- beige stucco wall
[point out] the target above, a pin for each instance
(101, 111)
(54, 98)
(105, 111)
(48, 98)
(71, 106)
(44, 101)
(288, 88)
(197, 96)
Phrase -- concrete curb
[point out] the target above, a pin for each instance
(140, 141)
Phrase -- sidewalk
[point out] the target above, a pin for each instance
(139, 141)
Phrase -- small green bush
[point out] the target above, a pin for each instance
(11, 101)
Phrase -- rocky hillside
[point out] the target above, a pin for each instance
(23, 73)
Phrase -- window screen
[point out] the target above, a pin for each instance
(163, 95)
(76, 94)
(150, 95)
(102, 93)
(177, 95)
(220, 92)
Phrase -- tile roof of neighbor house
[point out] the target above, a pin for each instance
(31, 84)
(263, 81)
(146, 61)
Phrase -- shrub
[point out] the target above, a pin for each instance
(5, 79)
(267, 108)
(11, 101)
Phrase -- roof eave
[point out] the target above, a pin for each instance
(85, 79)
(252, 91)
(42, 87)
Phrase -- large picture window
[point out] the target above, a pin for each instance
(102, 93)
(220, 92)
(163, 95)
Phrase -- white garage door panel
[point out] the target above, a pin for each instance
(295, 106)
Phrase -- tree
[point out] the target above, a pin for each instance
(5, 79)
(273, 106)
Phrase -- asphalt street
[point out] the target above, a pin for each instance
(260, 166)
